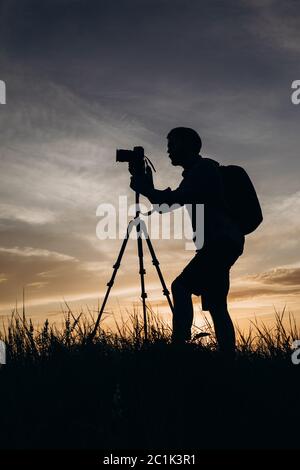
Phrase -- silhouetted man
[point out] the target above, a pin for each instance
(207, 274)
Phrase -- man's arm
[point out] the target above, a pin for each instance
(188, 192)
(167, 196)
(144, 186)
(199, 186)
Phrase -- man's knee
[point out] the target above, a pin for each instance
(218, 307)
(177, 286)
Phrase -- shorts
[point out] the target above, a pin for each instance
(207, 274)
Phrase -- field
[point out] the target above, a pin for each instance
(61, 390)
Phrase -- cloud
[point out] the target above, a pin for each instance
(270, 26)
(28, 251)
(280, 276)
(3, 278)
(274, 294)
(26, 214)
(37, 285)
(276, 283)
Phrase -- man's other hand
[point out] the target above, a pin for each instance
(142, 184)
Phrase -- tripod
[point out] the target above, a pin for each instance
(141, 229)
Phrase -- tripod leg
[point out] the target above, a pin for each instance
(142, 273)
(112, 280)
(155, 262)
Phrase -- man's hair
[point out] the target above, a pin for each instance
(189, 138)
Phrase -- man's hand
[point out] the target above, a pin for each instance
(142, 183)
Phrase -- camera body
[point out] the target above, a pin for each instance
(135, 158)
(138, 163)
(130, 156)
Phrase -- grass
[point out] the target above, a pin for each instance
(60, 390)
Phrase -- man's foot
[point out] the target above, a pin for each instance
(180, 340)
(227, 356)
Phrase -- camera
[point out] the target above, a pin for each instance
(138, 162)
(134, 156)
(136, 159)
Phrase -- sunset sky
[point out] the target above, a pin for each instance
(85, 78)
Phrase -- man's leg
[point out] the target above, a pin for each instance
(224, 329)
(183, 312)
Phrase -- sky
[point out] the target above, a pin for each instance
(86, 77)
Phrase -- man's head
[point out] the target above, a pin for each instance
(183, 145)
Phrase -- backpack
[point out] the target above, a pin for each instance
(241, 198)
